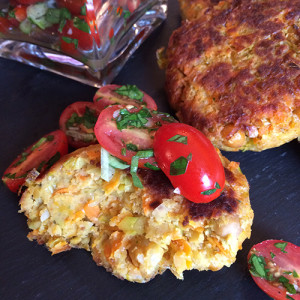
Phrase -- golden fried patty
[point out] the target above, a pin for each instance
(136, 233)
(233, 72)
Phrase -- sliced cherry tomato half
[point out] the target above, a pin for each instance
(41, 156)
(78, 121)
(275, 267)
(124, 95)
(17, 14)
(186, 156)
(124, 131)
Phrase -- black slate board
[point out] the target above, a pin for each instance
(30, 105)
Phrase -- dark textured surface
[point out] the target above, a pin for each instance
(31, 102)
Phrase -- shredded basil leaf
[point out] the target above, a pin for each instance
(295, 274)
(12, 14)
(127, 119)
(178, 138)
(287, 272)
(281, 246)
(53, 160)
(126, 14)
(131, 147)
(257, 264)
(289, 287)
(83, 10)
(10, 176)
(131, 91)
(81, 25)
(151, 167)
(24, 156)
(41, 165)
(272, 254)
(135, 163)
(211, 191)
(88, 119)
(123, 151)
(70, 41)
(289, 297)
(178, 167)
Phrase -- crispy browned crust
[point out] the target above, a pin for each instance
(237, 64)
(161, 188)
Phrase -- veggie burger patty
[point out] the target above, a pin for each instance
(233, 71)
(136, 233)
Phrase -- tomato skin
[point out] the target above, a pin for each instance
(113, 140)
(5, 25)
(133, 5)
(286, 261)
(85, 39)
(34, 159)
(28, 2)
(205, 168)
(106, 96)
(79, 108)
(74, 6)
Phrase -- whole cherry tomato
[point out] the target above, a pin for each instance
(190, 161)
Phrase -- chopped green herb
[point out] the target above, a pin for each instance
(70, 41)
(178, 167)
(178, 138)
(123, 151)
(62, 24)
(208, 192)
(10, 176)
(211, 191)
(189, 157)
(131, 147)
(11, 14)
(295, 274)
(131, 91)
(272, 254)
(81, 25)
(287, 272)
(88, 119)
(83, 10)
(41, 165)
(135, 164)
(285, 282)
(99, 98)
(13, 176)
(151, 167)
(39, 143)
(281, 246)
(127, 119)
(289, 297)
(50, 137)
(24, 156)
(53, 160)
(126, 14)
(257, 264)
